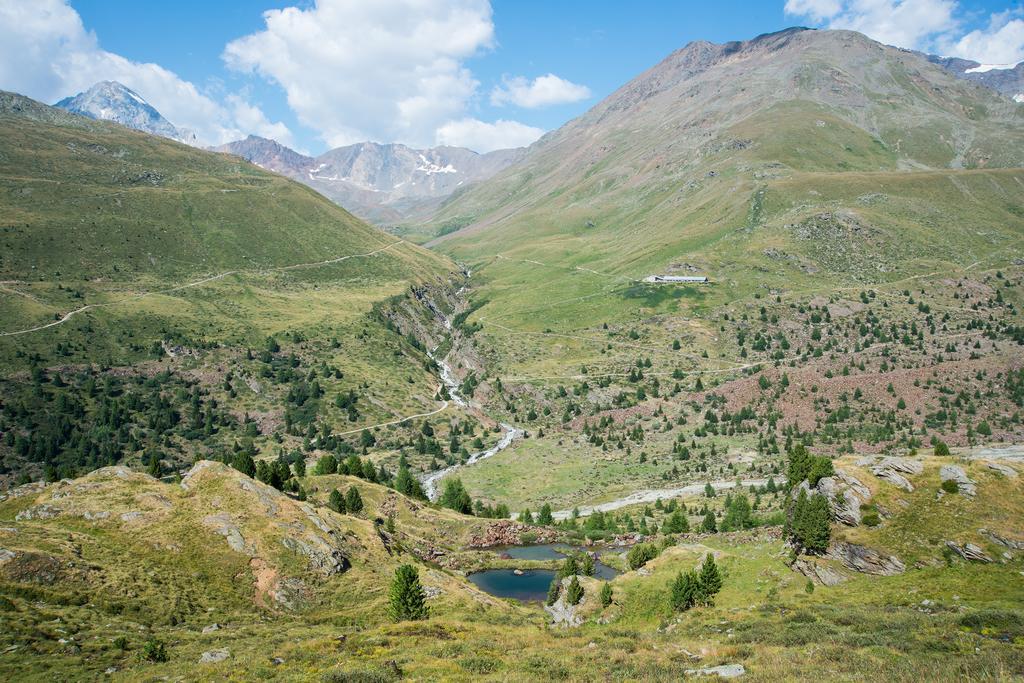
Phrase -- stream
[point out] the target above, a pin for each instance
(509, 433)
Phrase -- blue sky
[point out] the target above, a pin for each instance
(471, 72)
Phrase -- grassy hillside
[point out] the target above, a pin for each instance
(98, 572)
(145, 276)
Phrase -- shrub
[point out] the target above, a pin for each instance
(950, 486)
(154, 650)
(871, 519)
(941, 448)
(606, 595)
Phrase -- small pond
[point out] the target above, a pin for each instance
(530, 586)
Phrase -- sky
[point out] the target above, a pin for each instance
(317, 74)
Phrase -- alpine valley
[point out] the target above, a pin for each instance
(724, 378)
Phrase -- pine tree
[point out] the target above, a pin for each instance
(553, 590)
(677, 523)
(406, 484)
(684, 590)
(406, 600)
(587, 565)
(709, 526)
(244, 463)
(336, 502)
(606, 594)
(526, 517)
(353, 501)
(574, 593)
(544, 517)
(737, 516)
(709, 581)
(456, 497)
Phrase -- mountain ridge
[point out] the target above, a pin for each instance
(380, 182)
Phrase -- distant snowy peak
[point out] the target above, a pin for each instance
(112, 101)
(1007, 79)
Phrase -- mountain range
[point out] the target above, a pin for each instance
(382, 183)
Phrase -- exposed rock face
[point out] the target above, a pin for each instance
(969, 551)
(845, 494)
(957, 474)
(818, 573)
(892, 470)
(865, 560)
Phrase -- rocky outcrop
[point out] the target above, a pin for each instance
(507, 532)
(38, 512)
(955, 473)
(818, 573)
(1002, 469)
(562, 613)
(892, 469)
(969, 551)
(865, 560)
(1002, 540)
(222, 524)
(845, 494)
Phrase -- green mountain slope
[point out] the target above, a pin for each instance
(734, 142)
(135, 262)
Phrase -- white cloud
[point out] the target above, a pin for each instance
(485, 137)
(1000, 43)
(387, 70)
(818, 10)
(541, 92)
(47, 54)
(252, 120)
(928, 25)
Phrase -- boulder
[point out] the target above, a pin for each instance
(969, 551)
(957, 474)
(214, 656)
(6, 555)
(821, 574)
(43, 511)
(1002, 540)
(211, 628)
(562, 613)
(225, 526)
(865, 560)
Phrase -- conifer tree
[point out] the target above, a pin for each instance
(553, 590)
(684, 590)
(574, 593)
(336, 502)
(544, 517)
(709, 525)
(406, 600)
(606, 594)
(456, 497)
(353, 501)
(709, 581)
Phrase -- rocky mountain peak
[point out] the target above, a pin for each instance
(113, 101)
